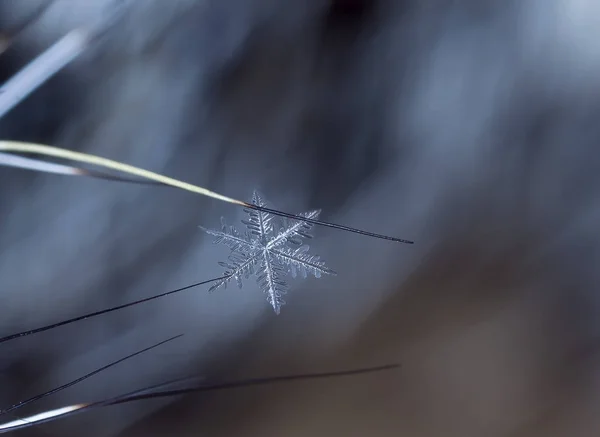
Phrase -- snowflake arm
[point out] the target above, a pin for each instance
(270, 281)
(231, 237)
(293, 233)
(260, 223)
(300, 261)
(237, 266)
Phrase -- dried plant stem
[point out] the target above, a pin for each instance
(56, 152)
(10, 160)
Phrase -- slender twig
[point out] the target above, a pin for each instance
(37, 165)
(157, 391)
(56, 152)
(86, 376)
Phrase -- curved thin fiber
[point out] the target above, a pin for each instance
(57, 152)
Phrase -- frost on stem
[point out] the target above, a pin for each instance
(269, 248)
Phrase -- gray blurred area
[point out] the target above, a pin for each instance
(470, 127)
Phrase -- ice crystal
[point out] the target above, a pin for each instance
(270, 248)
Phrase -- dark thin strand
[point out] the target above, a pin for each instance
(143, 394)
(163, 385)
(105, 176)
(105, 311)
(137, 396)
(327, 224)
(86, 376)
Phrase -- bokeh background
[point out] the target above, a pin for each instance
(470, 127)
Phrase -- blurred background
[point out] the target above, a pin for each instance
(470, 127)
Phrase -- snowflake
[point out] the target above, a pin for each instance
(269, 248)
